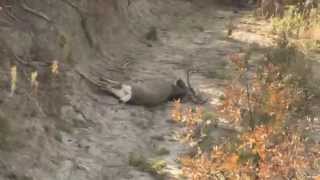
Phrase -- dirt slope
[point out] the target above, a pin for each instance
(67, 130)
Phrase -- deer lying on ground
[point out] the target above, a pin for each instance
(148, 93)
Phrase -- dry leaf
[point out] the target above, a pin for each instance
(13, 79)
(55, 67)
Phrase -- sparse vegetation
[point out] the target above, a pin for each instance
(34, 82)
(13, 83)
(270, 101)
(55, 124)
(301, 29)
(292, 24)
(152, 166)
(55, 67)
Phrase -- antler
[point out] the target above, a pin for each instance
(197, 99)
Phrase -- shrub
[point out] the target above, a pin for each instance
(154, 166)
(262, 98)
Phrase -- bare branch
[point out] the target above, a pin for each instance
(35, 12)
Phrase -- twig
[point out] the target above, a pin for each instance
(86, 29)
(20, 60)
(10, 14)
(71, 4)
(126, 63)
(102, 83)
(37, 104)
(83, 115)
(104, 79)
(87, 77)
(35, 12)
(83, 22)
(170, 62)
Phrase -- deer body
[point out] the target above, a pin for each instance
(150, 93)
(147, 93)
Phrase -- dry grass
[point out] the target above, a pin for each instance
(303, 31)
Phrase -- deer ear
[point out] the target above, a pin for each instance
(180, 83)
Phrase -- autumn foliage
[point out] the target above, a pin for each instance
(189, 117)
(265, 99)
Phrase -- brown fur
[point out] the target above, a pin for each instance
(149, 93)
(152, 93)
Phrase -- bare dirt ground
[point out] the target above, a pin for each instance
(94, 136)
(198, 40)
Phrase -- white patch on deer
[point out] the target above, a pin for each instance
(124, 94)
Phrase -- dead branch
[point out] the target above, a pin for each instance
(83, 115)
(104, 79)
(9, 12)
(35, 12)
(83, 21)
(71, 4)
(36, 102)
(21, 61)
(101, 83)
